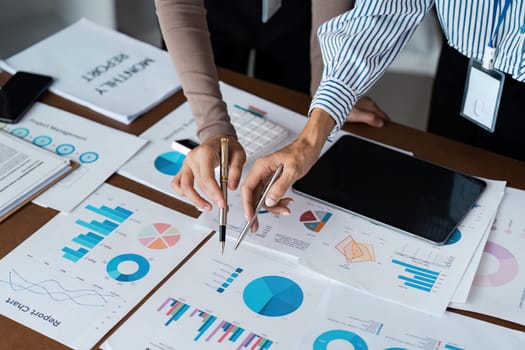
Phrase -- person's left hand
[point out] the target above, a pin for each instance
(368, 112)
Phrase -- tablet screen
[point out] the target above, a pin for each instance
(392, 188)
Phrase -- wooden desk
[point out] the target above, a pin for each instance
(427, 146)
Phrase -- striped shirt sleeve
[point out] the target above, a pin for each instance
(357, 47)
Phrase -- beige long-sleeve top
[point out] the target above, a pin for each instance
(185, 31)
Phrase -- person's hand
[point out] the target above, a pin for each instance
(199, 168)
(297, 158)
(368, 112)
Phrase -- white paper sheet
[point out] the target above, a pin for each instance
(107, 71)
(100, 151)
(78, 275)
(242, 299)
(247, 299)
(499, 285)
(398, 267)
(351, 320)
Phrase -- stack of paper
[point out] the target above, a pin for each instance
(25, 171)
(100, 151)
(107, 71)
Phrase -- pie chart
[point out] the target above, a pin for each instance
(314, 220)
(169, 163)
(159, 236)
(273, 296)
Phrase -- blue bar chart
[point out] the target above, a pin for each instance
(210, 328)
(97, 230)
(417, 277)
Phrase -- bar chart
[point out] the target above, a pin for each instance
(416, 277)
(210, 328)
(97, 230)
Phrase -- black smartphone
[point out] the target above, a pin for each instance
(385, 186)
(19, 93)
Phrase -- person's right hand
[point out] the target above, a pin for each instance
(297, 158)
(199, 169)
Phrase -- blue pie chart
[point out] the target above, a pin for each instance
(141, 271)
(322, 341)
(169, 163)
(273, 296)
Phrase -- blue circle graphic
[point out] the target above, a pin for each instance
(454, 237)
(142, 263)
(65, 149)
(169, 163)
(273, 296)
(42, 141)
(88, 157)
(322, 341)
(20, 132)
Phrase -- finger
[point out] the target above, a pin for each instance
(362, 116)
(235, 171)
(251, 188)
(281, 208)
(205, 178)
(186, 185)
(280, 187)
(369, 105)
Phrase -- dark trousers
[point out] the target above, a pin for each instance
(447, 95)
(282, 45)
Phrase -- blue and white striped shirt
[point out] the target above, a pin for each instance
(358, 45)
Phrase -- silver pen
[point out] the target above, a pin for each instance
(264, 193)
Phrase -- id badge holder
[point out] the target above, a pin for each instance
(270, 8)
(482, 95)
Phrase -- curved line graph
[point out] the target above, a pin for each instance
(82, 297)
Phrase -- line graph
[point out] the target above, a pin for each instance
(57, 292)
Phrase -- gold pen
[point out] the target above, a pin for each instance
(224, 188)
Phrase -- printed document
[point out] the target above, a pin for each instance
(102, 69)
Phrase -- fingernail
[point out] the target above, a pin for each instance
(270, 202)
(286, 213)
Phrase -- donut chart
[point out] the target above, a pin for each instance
(322, 341)
(507, 270)
(142, 267)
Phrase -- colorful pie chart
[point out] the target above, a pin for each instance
(159, 236)
(273, 296)
(314, 220)
(169, 163)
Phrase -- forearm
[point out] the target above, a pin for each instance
(358, 46)
(184, 28)
(322, 11)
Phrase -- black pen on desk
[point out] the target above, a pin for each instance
(224, 189)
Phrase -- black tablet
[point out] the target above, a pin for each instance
(386, 186)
